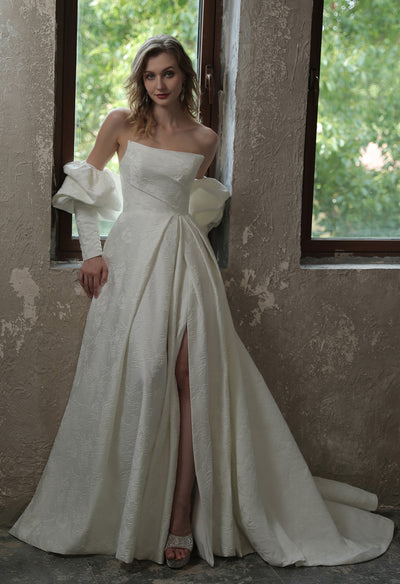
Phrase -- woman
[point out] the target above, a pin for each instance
(165, 396)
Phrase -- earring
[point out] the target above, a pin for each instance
(182, 94)
(147, 98)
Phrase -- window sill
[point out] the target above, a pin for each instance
(65, 265)
(351, 263)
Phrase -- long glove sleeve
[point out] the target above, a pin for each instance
(87, 222)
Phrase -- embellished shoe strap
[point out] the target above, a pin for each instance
(180, 541)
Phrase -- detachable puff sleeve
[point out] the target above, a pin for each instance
(91, 194)
(207, 202)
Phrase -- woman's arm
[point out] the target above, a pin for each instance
(94, 271)
(107, 141)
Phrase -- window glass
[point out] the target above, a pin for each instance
(109, 34)
(356, 183)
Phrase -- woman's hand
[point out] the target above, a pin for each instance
(92, 275)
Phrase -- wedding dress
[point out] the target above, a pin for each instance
(108, 485)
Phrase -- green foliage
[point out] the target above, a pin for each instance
(358, 104)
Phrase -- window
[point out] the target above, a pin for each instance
(351, 181)
(196, 22)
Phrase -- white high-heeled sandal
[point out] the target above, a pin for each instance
(179, 541)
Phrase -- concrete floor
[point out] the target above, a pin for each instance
(23, 564)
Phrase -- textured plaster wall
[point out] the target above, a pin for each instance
(325, 340)
(42, 311)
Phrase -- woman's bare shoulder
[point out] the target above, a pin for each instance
(206, 141)
(205, 138)
(206, 135)
(119, 124)
(109, 137)
(118, 118)
(119, 113)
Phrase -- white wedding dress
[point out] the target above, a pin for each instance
(109, 482)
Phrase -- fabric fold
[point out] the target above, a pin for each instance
(207, 201)
(96, 188)
(338, 492)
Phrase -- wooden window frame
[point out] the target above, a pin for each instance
(209, 46)
(332, 246)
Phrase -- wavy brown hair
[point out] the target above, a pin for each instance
(139, 103)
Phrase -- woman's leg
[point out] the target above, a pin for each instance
(185, 475)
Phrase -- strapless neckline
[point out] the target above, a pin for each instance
(159, 150)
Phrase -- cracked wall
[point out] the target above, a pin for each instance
(13, 332)
(325, 340)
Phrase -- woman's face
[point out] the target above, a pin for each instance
(163, 79)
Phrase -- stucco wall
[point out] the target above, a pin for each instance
(42, 310)
(325, 340)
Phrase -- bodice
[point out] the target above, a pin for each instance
(157, 180)
(153, 181)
